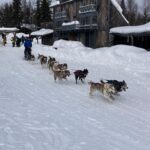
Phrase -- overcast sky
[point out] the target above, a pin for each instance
(4, 1)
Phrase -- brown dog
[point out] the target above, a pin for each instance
(61, 74)
(43, 59)
(50, 62)
(58, 67)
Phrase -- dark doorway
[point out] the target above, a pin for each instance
(90, 39)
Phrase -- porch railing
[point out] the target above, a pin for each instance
(87, 8)
(62, 14)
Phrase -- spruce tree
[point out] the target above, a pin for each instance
(7, 15)
(38, 12)
(17, 13)
(45, 11)
(24, 11)
(27, 12)
(146, 11)
(132, 11)
(123, 6)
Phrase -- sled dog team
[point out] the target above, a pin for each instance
(108, 88)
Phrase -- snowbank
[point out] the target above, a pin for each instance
(67, 44)
(116, 55)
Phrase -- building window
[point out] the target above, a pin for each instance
(94, 20)
(58, 24)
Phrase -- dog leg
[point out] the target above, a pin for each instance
(76, 78)
(111, 97)
(108, 96)
(90, 93)
(55, 77)
(82, 80)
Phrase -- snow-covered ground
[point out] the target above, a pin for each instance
(38, 114)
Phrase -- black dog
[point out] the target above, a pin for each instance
(119, 85)
(81, 74)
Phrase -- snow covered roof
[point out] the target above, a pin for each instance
(42, 32)
(57, 2)
(4, 29)
(131, 29)
(29, 26)
(66, 1)
(70, 23)
(117, 6)
(21, 34)
(54, 3)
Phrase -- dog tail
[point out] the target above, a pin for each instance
(101, 81)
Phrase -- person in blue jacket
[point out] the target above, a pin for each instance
(27, 51)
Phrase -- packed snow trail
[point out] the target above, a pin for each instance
(38, 114)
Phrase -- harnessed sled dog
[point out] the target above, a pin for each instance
(106, 89)
(80, 74)
(118, 85)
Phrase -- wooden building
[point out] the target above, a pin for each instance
(88, 21)
(46, 36)
(132, 35)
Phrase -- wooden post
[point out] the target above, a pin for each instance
(103, 23)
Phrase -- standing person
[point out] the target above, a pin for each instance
(18, 41)
(22, 39)
(4, 38)
(3, 35)
(27, 51)
(37, 39)
(13, 39)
